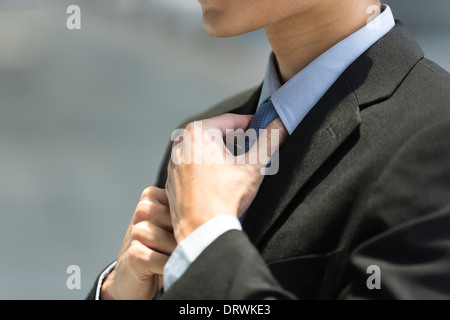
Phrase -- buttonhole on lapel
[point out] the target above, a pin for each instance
(332, 133)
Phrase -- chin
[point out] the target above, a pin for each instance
(215, 28)
(221, 29)
(217, 32)
(230, 22)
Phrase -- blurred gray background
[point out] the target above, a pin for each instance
(86, 114)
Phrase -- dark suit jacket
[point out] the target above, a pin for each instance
(364, 180)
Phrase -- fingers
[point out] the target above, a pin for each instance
(151, 239)
(154, 238)
(261, 152)
(153, 212)
(155, 194)
(154, 207)
(227, 121)
(268, 143)
(198, 139)
(148, 243)
(145, 260)
(270, 139)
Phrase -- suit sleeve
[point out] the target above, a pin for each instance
(412, 196)
(94, 294)
(229, 269)
(412, 263)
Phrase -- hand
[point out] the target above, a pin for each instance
(221, 183)
(147, 245)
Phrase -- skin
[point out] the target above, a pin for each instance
(298, 31)
(219, 176)
(147, 245)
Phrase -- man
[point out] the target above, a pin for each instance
(360, 206)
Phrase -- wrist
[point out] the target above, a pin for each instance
(191, 247)
(186, 227)
(107, 291)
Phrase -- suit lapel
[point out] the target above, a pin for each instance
(372, 78)
(323, 130)
(377, 74)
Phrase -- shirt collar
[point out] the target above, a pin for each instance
(297, 97)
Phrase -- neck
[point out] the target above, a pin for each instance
(300, 39)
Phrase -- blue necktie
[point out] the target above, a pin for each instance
(264, 115)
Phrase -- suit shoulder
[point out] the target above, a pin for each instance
(426, 90)
(432, 81)
(435, 69)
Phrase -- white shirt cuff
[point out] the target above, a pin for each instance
(192, 246)
(102, 278)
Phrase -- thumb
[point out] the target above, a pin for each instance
(268, 143)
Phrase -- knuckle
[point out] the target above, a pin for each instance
(253, 171)
(140, 214)
(136, 253)
(145, 211)
(136, 233)
(145, 192)
(148, 192)
(140, 232)
(190, 127)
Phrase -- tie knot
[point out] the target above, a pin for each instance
(264, 115)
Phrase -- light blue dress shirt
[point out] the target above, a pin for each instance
(292, 101)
